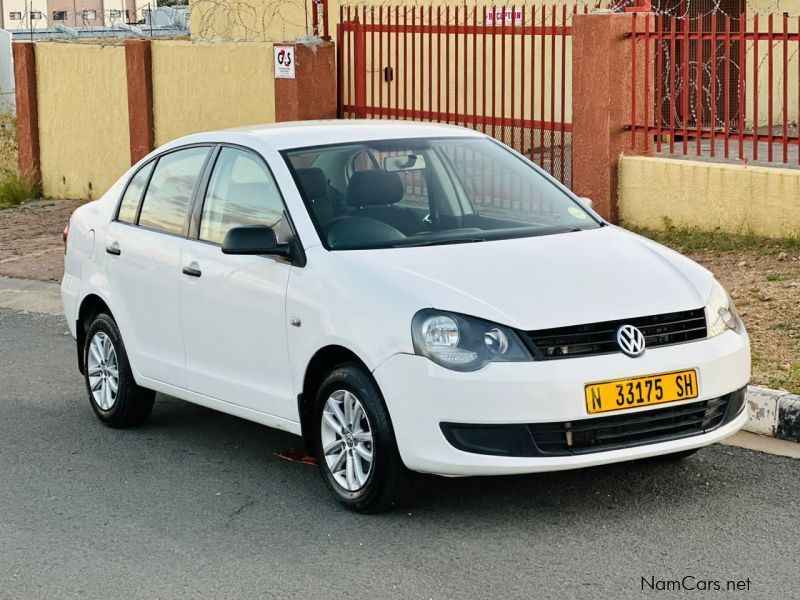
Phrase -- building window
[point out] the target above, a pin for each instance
(35, 15)
(59, 15)
(15, 16)
(89, 15)
(115, 13)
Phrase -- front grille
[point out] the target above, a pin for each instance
(634, 429)
(601, 338)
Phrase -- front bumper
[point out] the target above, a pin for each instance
(421, 396)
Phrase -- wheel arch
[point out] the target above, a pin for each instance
(91, 306)
(321, 363)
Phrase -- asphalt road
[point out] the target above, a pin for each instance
(197, 505)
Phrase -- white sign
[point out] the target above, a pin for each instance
(500, 15)
(284, 62)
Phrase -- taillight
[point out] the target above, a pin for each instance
(65, 235)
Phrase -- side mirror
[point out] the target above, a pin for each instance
(587, 201)
(254, 239)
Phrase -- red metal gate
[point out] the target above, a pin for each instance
(505, 71)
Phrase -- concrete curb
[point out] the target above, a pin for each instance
(773, 413)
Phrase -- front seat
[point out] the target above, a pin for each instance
(314, 185)
(373, 194)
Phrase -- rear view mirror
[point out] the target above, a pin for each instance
(406, 162)
(255, 239)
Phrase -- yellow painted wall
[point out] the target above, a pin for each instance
(733, 198)
(83, 117)
(199, 86)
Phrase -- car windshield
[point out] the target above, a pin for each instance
(425, 192)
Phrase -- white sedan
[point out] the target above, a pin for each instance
(407, 297)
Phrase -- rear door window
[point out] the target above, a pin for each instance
(133, 194)
(171, 187)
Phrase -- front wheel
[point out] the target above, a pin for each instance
(115, 398)
(355, 445)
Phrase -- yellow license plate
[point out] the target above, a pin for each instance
(641, 391)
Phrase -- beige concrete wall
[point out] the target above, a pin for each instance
(732, 198)
(199, 86)
(83, 117)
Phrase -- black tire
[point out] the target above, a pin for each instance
(132, 404)
(389, 484)
(674, 457)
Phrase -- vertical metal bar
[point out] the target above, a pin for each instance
(698, 86)
(447, 62)
(673, 101)
(414, 30)
(503, 74)
(633, 81)
(770, 86)
(430, 62)
(755, 87)
(389, 33)
(646, 108)
(563, 117)
(494, 72)
(483, 75)
(786, 86)
(456, 115)
(659, 77)
(523, 35)
(713, 76)
(372, 62)
(533, 76)
(379, 64)
(513, 66)
(475, 67)
(686, 30)
(740, 87)
(439, 64)
(542, 89)
(727, 95)
(552, 87)
(340, 38)
(395, 74)
(360, 64)
(405, 62)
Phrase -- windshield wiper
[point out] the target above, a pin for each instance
(441, 242)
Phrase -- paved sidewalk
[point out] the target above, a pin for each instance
(30, 295)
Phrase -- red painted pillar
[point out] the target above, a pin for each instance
(312, 92)
(139, 68)
(360, 68)
(30, 166)
(602, 63)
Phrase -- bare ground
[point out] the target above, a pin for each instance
(763, 276)
(31, 239)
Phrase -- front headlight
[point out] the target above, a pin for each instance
(463, 343)
(720, 311)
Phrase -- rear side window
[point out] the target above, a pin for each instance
(133, 193)
(241, 192)
(171, 186)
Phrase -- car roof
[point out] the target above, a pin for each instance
(302, 134)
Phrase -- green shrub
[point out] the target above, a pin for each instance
(15, 189)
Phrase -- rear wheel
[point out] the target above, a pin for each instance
(115, 398)
(355, 445)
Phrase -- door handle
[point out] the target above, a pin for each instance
(113, 248)
(191, 271)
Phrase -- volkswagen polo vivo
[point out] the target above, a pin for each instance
(407, 297)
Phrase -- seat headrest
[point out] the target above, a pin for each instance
(374, 188)
(313, 182)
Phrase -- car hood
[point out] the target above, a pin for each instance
(541, 282)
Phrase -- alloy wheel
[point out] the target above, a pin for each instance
(347, 440)
(103, 371)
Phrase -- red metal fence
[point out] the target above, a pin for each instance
(503, 71)
(717, 86)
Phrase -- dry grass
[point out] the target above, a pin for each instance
(14, 188)
(763, 277)
(8, 144)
